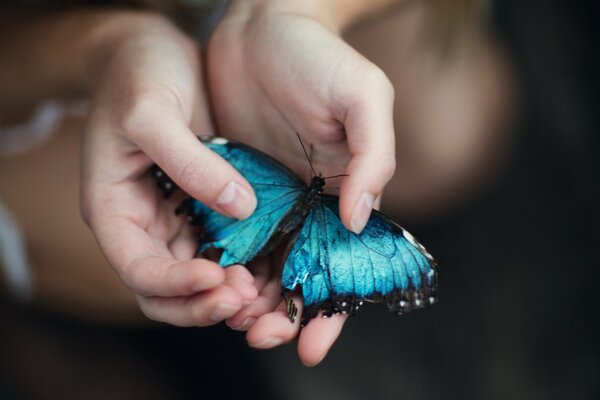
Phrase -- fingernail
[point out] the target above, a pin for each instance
(362, 212)
(244, 326)
(312, 364)
(246, 275)
(222, 311)
(236, 201)
(269, 342)
(249, 295)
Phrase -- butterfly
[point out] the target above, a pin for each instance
(336, 269)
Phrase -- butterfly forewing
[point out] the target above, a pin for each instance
(277, 191)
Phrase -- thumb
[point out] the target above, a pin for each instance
(196, 169)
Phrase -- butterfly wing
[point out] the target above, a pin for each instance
(338, 269)
(277, 190)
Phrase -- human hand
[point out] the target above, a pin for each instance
(148, 99)
(275, 70)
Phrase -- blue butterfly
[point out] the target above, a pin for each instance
(337, 269)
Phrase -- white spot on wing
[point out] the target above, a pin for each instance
(408, 236)
(218, 140)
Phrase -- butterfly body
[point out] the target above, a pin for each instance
(337, 269)
(310, 197)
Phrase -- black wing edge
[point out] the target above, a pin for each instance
(398, 301)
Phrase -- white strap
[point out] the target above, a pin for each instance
(20, 138)
(13, 257)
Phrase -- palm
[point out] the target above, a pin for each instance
(264, 103)
(279, 84)
(147, 101)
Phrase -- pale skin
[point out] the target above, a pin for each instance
(149, 100)
(276, 71)
(272, 71)
(149, 116)
(154, 87)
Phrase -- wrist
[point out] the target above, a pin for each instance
(336, 15)
(117, 33)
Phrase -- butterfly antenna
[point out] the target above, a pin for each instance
(306, 154)
(335, 176)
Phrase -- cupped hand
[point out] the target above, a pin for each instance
(273, 72)
(148, 98)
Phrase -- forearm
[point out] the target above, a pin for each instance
(337, 15)
(55, 55)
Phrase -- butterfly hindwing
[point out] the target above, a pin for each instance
(277, 190)
(338, 269)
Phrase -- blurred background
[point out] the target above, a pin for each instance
(517, 249)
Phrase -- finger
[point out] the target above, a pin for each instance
(317, 337)
(269, 288)
(159, 276)
(196, 169)
(275, 328)
(184, 245)
(269, 298)
(240, 272)
(262, 271)
(240, 279)
(370, 133)
(148, 269)
(203, 309)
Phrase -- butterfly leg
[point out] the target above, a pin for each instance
(290, 306)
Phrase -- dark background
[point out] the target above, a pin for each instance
(518, 273)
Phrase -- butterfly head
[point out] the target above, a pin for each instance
(317, 183)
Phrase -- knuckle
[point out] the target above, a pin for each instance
(149, 311)
(137, 279)
(142, 109)
(378, 81)
(387, 166)
(374, 83)
(86, 213)
(198, 315)
(89, 208)
(386, 86)
(139, 112)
